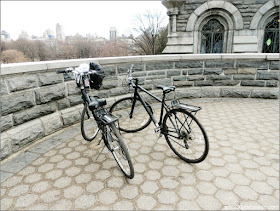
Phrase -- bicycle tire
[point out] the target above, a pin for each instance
(89, 127)
(119, 150)
(184, 134)
(122, 108)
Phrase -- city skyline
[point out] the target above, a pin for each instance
(119, 14)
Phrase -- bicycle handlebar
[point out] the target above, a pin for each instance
(67, 70)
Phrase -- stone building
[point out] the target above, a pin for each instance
(222, 26)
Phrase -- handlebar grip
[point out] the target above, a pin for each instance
(60, 71)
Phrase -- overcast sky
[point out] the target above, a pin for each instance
(83, 17)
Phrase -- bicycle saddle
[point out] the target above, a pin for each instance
(96, 102)
(166, 89)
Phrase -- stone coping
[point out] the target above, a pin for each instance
(15, 68)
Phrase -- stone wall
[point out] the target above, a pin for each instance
(36, 102)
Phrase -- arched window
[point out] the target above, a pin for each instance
(271, 37)
(212, 37)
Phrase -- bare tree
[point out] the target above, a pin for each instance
(13, 56)
(151, 32)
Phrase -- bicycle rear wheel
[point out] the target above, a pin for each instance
(185, 136)
(139, 120)
(89, 127)
(119, 150)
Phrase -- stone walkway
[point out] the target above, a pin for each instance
(240, 172)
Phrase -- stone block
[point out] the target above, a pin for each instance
(195, 78)
(188, 93)
(159, 66)
(230, 71)
(6, 122)
(218, 77)
(117, 91)
(215, 71)
(189, 64)
(268, 75)
(33, 113)
(267, 93)
(183, 83)
(6, 146)
(164, 82)
(226, 83)
(219, 64)
(72, 88)
(51, 123)
(17, 102)
(49, 78)
(63, 103)
(235, 92)
(50, 93)
(252, 83)
(21, 82)
(272, 83)
(252, 64)
(3, 88)
(26, 133)
(104, 93)
(173, 73)
(243, 77)
(179, 78)
(195, 71)
(123, 68)
(203, 83)
(156, 73)
(75, 100)
(140, 74)
(70, 116)
(274, 65)
(110, 84)
(210, 92)
(247, 71)
(109, 70)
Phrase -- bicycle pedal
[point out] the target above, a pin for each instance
(157, 129)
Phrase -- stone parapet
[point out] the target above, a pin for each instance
(36, 102)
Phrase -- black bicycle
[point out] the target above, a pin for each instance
(96, 118)
(181, 129)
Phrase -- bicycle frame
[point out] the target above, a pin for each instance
(137, 95)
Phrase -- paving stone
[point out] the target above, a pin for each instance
(94, 186)
(129, 192)
(245, 192)
(170, 171)
(149, 187)
(167, 197)
(124, 205)
(62, 205)
(83, 178)
(146, 203)
(73, 191)
(85, 201)
(26, 200)
(40, 187)
(187, 205)
(208, 202)
(18, 190)
(32, 178)
(206, 188)
(6, 203)
(261, 187)
(62, 182)
(188, 193)
(50, 196)
(107, 197)
(115, 182)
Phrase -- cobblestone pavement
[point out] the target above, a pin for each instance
(240, 172)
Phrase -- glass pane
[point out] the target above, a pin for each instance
(271, 37)
(212, 37)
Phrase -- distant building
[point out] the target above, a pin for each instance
(48, 35)
(113, 33)
(222, 26)
(59, 33)
(5, 36)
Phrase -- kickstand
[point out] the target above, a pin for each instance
(160, 135)
(100, 152)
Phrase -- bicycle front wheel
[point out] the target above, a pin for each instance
(134, 122)
(89, 127)
(185, 136)
(119, 150)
